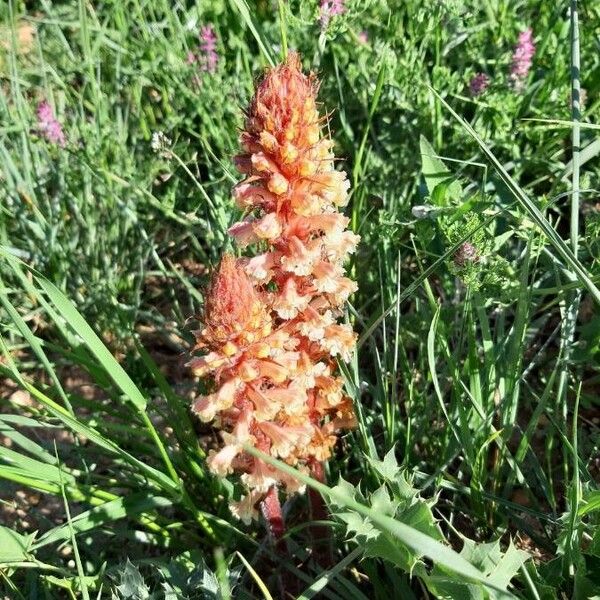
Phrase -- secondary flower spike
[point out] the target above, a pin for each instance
(522, 59)
(271, 334)
(49, 126)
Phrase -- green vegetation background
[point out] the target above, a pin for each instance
(477, 371)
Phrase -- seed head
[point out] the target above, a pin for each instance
(478, 84)
(466, 254)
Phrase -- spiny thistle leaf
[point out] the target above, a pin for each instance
(499, 567)
(395, 498)
(393, 475)
(187, 577)
(132, 586)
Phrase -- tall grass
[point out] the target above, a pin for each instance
(473, 471)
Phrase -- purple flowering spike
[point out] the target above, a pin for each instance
(49, 127)
(208, 48)
(522, 58)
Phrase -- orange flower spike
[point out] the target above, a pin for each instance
(270, 332)
(232, 307)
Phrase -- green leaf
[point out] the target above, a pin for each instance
(27, 422)
(395, 499)
(14, 547)
(132, 586)
(498, 567)
(449, 588)
(34, 468)
(483, 556)
(383, 503)
(94, 343)
(508, 566)
(590, 503)
(388, 467)
(102, 514)
(439, 180)
(24, 442)
(418, 542)
(393, 474)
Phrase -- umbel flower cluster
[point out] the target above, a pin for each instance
(271, 336)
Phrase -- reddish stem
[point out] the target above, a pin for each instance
(271, 511)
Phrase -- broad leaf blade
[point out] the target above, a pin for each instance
(14, 547)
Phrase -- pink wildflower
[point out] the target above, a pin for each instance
(208, 48)
(478, 84)
(330, 8)
(522, 58)
(466, 254)
(48, 125)
(363, 37)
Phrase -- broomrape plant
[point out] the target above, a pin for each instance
(270, 334)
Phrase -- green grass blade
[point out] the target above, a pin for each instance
(244, 10)
(93, 342)
(81, 428)
(110, 364)
(259, 582)
(80, 572)
(33, 342)
(98, 516)
(324, 579)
